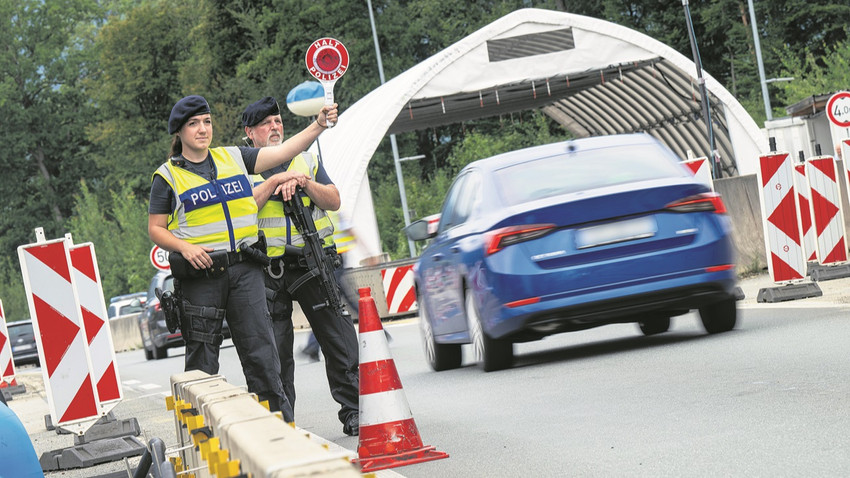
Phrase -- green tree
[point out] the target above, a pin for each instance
(118, 229)
(142, 60)
(815, 74)
(45, 57)
(12, 289)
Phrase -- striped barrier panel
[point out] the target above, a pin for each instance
(60, 334)
(826, 210)
(7, 364)
(803, 208)
(701, 170)
(782, 236)
(98, 332)
(399, 290)
(844, 152)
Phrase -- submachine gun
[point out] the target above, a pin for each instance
(319, 263)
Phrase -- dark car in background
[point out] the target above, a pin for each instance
(569, 236)
(156, 339)
(22, 339)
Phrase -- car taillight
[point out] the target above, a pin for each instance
(501, 238)
(157, 307)
(700, 202)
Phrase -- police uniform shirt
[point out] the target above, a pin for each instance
(162, 200)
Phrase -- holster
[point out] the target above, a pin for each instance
(170, 305)
(202, 312)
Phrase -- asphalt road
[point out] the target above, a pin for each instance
(767, 399)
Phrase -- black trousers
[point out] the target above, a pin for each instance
(335, 334)
(241, 293)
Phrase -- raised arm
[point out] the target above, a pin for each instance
(271, 156)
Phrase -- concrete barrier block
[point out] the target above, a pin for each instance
(224, 413)
(178, 380)
(193, 392)
(238, 431)
(179, 383)
(369, 277)
(125, 332)
(268, 447)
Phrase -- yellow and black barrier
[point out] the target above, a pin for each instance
(224, 432)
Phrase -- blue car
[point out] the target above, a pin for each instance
(568, 236)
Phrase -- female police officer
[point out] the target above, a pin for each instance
(201, 207)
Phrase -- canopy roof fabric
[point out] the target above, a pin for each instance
(591, 76)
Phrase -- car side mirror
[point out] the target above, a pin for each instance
(418, 231)
(136, 303)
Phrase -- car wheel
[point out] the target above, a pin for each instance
(720, 316)
(148, 353)
(159, 352)
(439, 356)
(654, 325)
(493, 354)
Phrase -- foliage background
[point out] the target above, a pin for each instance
(86, 87)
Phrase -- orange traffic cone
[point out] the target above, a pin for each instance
(388, 434)
(13, 383)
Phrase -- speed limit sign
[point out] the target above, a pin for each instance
(159, 258)
(838, 109)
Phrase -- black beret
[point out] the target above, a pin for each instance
(184, 109)
(256, 112)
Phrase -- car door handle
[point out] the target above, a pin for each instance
(455, 249)
(437, 257)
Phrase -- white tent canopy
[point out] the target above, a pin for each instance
(592, 76)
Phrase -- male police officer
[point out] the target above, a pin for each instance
(335, 333)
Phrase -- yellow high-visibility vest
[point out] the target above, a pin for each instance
(220, 214)
(278, 228)
(343, 238)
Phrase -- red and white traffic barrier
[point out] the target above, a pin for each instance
(701, 169)
(782, 234)
(399, 289)
(59, 330)
(98, 333)
(805, 212)
(844, 151)
(826, 210)
(7, 364)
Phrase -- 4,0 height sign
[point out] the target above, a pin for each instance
(838, 109)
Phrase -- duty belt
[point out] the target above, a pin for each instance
(236, 257)
(291, 261)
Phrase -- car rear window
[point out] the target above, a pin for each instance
(584, 170)
(20, 330)
(130, 309)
